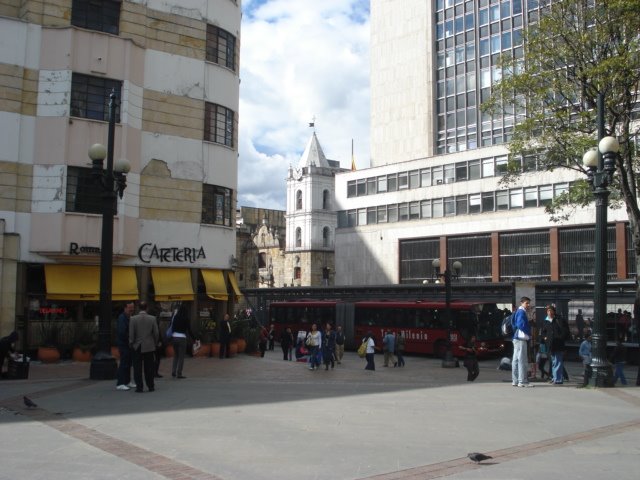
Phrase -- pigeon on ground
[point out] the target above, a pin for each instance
(28, 402)
(478, 457)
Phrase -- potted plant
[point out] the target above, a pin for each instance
(50, 335)
(84, 341)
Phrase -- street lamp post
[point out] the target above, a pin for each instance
(600, 163)
(109, 181)
(448, 361)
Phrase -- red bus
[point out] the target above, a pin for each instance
(423, 324)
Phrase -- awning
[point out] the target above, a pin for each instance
(215, 285)
(234, 284)
(82, 282)
(172, 284)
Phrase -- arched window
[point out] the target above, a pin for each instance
(298, 237)
(297, 273)
(326, 200)
(262, 260)
(326, 234)
(299, 200)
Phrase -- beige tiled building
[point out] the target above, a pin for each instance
(174, 67)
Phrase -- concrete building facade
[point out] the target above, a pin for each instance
(434, 188)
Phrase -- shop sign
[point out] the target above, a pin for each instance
(150, 251)
(75, 249)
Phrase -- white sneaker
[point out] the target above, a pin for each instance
(132, 385)
(124, 388)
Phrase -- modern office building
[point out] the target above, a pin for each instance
(174, 67)
(434, 188)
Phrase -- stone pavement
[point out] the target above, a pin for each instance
(253, 418)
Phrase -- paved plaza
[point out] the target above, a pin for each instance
(264, 418)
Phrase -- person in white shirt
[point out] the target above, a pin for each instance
(371, 350)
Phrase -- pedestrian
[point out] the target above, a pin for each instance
(370, 352)
(388, 347)
(179, 338)
(556, 332)
(339, 344)
(585, 354)
(262, 341)
(471, 359)
(7, 347)
(328, 346)
(521, 335)
(399, 350)
(580, 324)
(225, 336)
(143, 338)
(159, 350)
(286, 343)
(313, 343)
(618, 358)
(123, 374)
(272, 337)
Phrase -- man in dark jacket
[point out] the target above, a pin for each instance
(122, 342)
(225, 336)
(556, 331)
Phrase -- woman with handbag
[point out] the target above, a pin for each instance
(313, 341)
(370, 352)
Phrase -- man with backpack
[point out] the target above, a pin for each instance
(521, 334)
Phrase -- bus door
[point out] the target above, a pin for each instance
(344, 318)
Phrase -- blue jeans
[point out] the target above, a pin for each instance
(618, 373)
(557, 366)
(124, 367)
(519, 364)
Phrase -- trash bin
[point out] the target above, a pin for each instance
(18, 370)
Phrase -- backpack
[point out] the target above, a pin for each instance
(507, 325)
(362, 349)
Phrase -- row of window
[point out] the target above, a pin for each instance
(326, 237)
(90, 99)
(326, 200)
(437, 175)
(104, 16)
(84, 196)
(523, 255)
(515, 198)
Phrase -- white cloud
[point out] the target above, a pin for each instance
(299, 60)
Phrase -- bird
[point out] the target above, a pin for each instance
(28, 402)
(478, 457)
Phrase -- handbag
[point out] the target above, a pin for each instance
(362, 349)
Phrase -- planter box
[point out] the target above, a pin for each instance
(18, 370)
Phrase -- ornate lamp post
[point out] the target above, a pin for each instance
(601, 165)
(110, 181)
(448, 361)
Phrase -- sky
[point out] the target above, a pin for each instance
(301, 61)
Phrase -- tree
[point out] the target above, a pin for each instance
(575, 51)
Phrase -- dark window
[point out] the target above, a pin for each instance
(221, 47)
(577, 253)
(297, 273)
(219, 124)
(90, 97)
(416, 257)
(525, 256)
(83, 194)
(216, 205)
(299, 200)
(326, 203)
(100, 15)
(326, 237)
(474, 252)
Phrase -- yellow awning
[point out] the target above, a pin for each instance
(82, 282)
(234, 284)
(215, 285)
(172, 284)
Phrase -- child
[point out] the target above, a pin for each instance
(585, 354)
